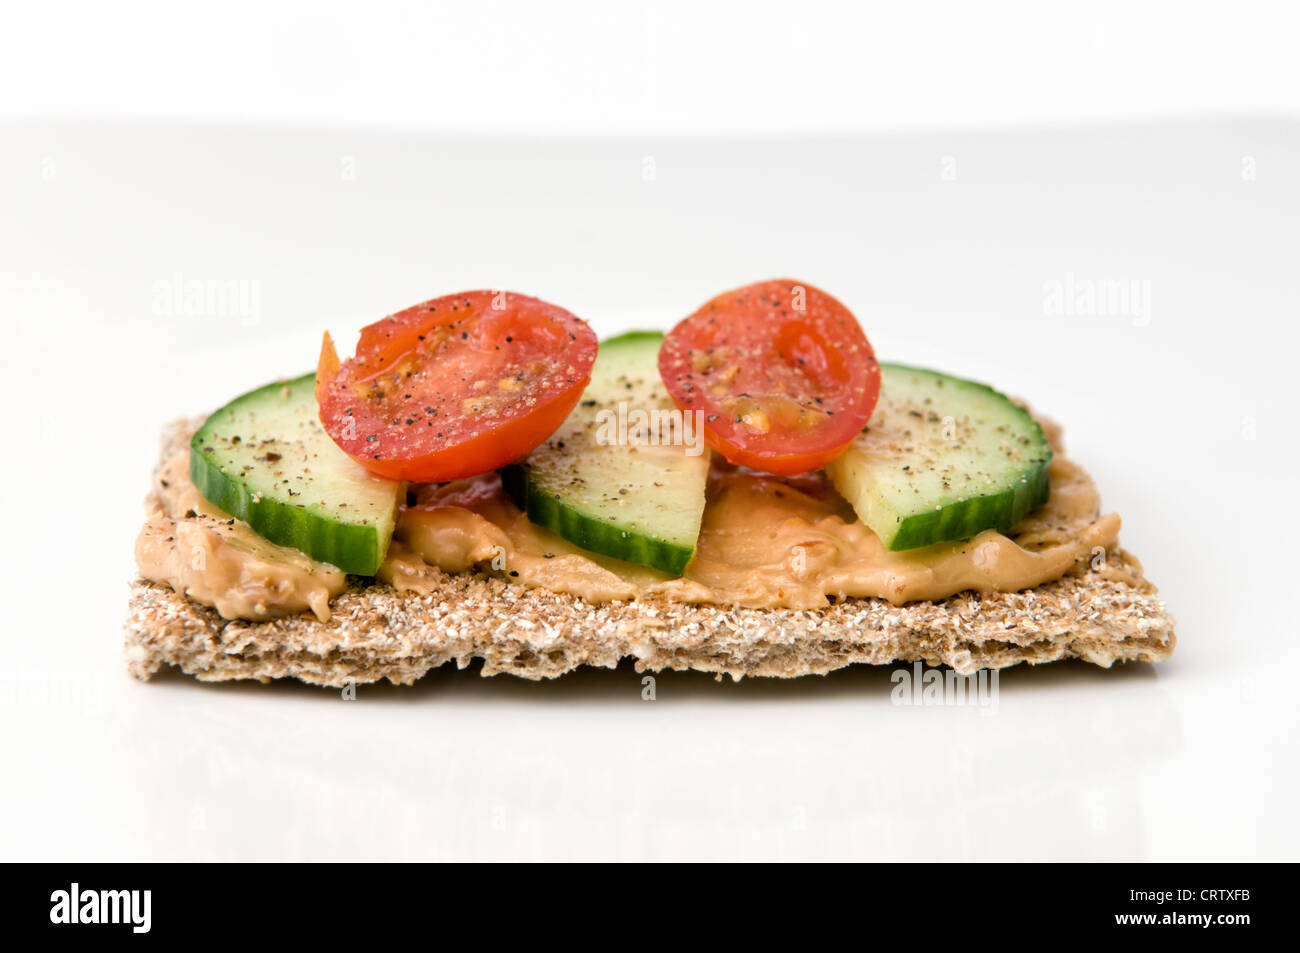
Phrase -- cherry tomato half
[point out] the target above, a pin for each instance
(782, 372)
(455, 386)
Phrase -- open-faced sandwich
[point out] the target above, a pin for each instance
(753, 493)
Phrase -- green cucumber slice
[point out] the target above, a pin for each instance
(942, 459)
(640, 503)
(265, 459)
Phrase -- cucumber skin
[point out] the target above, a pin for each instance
(590, 534)
(999, 511)
(353, 548)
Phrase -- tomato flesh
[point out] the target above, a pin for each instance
(782, 372)
(455, 386)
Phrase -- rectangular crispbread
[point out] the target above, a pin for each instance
(376, 632)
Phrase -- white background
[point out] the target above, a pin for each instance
(936, 167)
(682, 66)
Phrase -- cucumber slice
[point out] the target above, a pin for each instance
(942, 459)
(266, 459)
(640, 503)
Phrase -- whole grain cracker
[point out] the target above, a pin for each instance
(376, 632)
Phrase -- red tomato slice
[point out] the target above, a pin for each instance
(455, 386)
(782, 371)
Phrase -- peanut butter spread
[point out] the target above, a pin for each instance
(765, 543)
(203, 553)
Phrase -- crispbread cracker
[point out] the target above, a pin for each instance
(376, 632)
